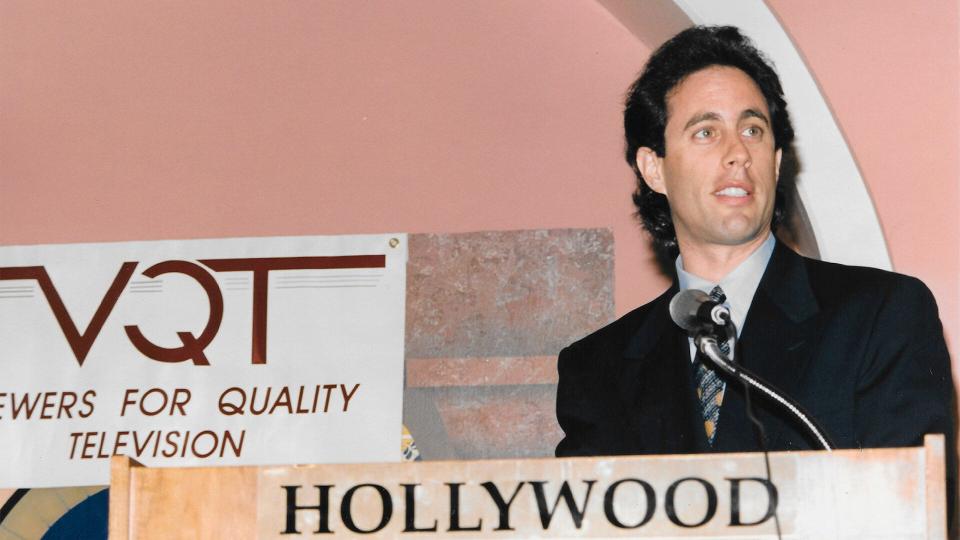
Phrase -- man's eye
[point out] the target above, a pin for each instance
(753, 131)
(703, 133)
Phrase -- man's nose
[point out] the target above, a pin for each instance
(737, 153)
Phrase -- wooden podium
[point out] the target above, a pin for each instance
(879, 493)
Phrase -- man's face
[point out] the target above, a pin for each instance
(720, 168)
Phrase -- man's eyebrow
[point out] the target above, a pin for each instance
(754, 113)
(701, 117)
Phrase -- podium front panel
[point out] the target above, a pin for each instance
(895, 493)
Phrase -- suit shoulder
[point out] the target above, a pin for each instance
(834, 281)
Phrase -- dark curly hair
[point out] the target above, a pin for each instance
(645, 112)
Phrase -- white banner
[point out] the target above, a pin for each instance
(247, 351)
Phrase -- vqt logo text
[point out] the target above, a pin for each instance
(193, 346)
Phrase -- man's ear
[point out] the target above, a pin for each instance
(651, 167)
(778, 157)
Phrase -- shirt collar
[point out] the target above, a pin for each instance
(739, 285)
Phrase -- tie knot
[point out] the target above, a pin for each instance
(718, 295)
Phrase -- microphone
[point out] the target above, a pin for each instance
(696, 311)
(700, 315)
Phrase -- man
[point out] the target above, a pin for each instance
(860, 349)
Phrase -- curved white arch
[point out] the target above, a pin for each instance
(829, 183)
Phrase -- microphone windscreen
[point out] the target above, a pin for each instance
(684, 307)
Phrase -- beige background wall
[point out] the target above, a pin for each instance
(151, 120)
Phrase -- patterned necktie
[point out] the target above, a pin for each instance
(710, 386)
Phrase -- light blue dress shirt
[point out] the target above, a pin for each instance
(739, 285)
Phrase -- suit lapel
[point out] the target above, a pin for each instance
(776, 343)
(655, 384)
(780, 327)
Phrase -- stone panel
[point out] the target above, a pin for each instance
(487, 314)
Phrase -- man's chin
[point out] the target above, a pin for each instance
(741, 237)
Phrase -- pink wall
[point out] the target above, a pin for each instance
(891, 73)
(179, 119)
(154, 120)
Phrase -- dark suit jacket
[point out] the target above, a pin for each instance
(860, 349)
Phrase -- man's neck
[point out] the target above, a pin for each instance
(713, 262)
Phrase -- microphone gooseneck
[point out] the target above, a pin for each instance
(701, 316)
(708, 346)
